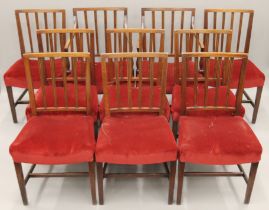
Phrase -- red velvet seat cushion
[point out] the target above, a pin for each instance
(176, 101)
(254, 76)
(135, 140)
(124, 99)
(55, 140)
(217, 140)
(15, 75)
(61, 99)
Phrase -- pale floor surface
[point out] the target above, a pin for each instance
(199, 193)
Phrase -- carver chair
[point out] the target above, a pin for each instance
(216, 139)
(135, 130)
(28, 20)
(240, 21)
(53, 139)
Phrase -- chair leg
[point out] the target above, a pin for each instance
(172, 175)
(12, 103)
(100, 179)
(251, 179)
(175, 129)
(257, 104)
(92, 182)
(181, 167)
(20, 177)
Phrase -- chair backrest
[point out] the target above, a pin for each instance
(199, 40)
(238, 20)
(140, 94)
(67, 40)
(168, 19)
(28, 20)
(223, 67)
(56, 91)
(100, 19)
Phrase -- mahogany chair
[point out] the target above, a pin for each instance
(100, 19)
(139, 109)
(28, 20)
(240, 21)
(197, 40)
(169, 19)
(64, 141)
(216, 139)
(72, 40)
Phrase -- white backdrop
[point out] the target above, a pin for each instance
(9, 45)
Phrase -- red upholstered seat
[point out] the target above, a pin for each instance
(15, 75)
(176, 101)
(254, 76)
(55, 140)
(61, 99)
(135, 140)
(124, 99)
(217, 140)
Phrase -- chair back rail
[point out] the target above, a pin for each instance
(100, 19)
(135, 85)
(223, 69)
(238, 20)
(28, 20)
(168, 19)
(56, 90)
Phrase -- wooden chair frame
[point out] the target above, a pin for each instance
(101, 167)
(22, 181)
(37, 12)
(85, 11)
(183, 12)
(213, 40)
(235, 110)
(237, 34)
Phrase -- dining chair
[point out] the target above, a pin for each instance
(197, 40)
(216, 139)
(134, 130)
(240, 21)
(28, 20)
(63, 138)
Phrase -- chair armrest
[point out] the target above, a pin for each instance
(68, 42)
